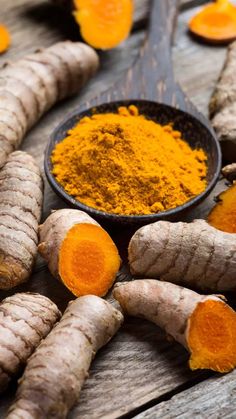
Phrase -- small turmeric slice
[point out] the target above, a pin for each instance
(5, 39)
(88, 260)
(212, 337)
(223, 215)
(104, 24)
(215, 22)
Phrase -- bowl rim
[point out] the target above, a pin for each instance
(123, 217)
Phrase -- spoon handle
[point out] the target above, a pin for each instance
(151, 77)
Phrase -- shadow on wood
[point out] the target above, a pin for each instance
(55, 19)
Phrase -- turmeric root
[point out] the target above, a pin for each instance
(5, 39)
(222, 106)
(223, 215)
(21, 199)
(55, 373)
(215, 23)
(25, 319)
(195, 254)
(29, 87)
(205, 325)
(79, 252)
(229, 172)
(103, 24)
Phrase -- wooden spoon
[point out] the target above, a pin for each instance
(149, 85)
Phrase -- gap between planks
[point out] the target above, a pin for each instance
(211, 399)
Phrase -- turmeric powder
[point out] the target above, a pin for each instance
(123, 163)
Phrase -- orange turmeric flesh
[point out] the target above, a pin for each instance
(212, 337)
(223, 215)
(5, 39)
(215, 22)
(88, 260)
(104, 24)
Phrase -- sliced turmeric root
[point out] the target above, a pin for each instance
(79, 252)
(223, 215)
(88, 260)
(5, 39)
(212, 337)
(204, 324)
(216, 22)
(104, 24)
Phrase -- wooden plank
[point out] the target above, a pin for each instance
(214, 398)
(188, 4)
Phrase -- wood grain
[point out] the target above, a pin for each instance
(139, 367)
(212, 399)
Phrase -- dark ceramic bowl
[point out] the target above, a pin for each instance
(193, 131)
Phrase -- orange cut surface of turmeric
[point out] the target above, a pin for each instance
(212, 337)
(5, 39)
(223, 215)
(215, 22)
(88, 260)
(104, 24)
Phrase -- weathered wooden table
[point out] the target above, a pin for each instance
(139, 374)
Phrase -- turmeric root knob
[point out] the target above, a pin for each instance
(79, 252)
(212, 337)
(88, 260)
(104, 24)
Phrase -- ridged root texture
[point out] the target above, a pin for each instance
(104, 24)
(212, 337)
(88, 260)
(223, 215)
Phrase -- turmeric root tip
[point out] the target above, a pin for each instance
(223, 215)
(104, 24)
(212, 337)
(88, 260)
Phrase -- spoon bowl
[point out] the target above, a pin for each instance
(194, 132)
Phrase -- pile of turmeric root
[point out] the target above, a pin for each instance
(170, 256)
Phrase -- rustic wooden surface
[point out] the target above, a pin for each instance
(139, 368)
(212, 399)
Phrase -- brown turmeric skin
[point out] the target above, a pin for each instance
(126, 164)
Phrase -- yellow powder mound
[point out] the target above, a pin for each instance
(125, 164)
